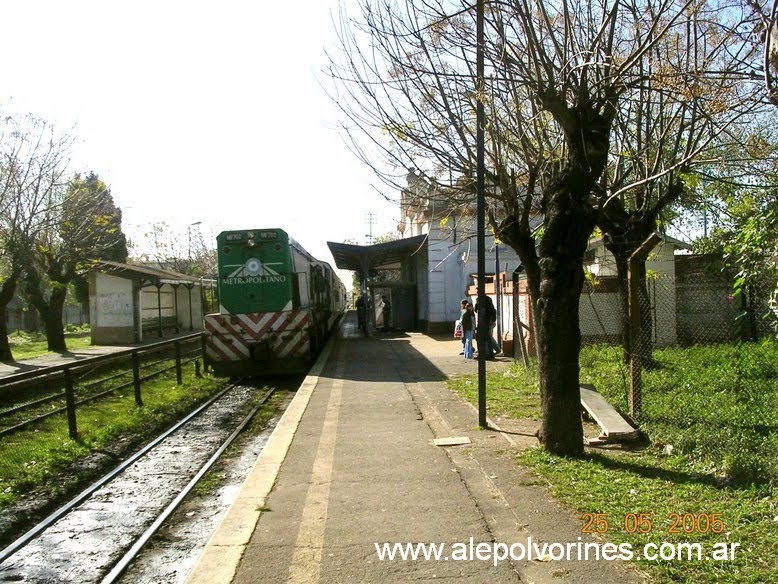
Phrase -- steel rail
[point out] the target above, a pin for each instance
(132, 553)
(31, 404)
(86, 493)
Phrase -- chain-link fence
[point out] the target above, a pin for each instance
(696, 368)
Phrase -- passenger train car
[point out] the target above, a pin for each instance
(277, 305)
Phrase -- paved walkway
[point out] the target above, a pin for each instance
(352, 463)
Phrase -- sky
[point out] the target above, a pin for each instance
(193, 111)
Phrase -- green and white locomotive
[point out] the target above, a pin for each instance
(277, 305)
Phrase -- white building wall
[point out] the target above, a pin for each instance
(436, 277)
(661, 285)
(111, 305)
(111, 309)
(450, 268)
(151, 300)
(187, 320)
(662, 261)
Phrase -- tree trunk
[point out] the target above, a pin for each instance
(50, 310)
(559, 344)
(52, 318)
(6, 295)
(569, 223)
(555, 273)
(622, 275)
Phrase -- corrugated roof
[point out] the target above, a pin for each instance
(349, 256)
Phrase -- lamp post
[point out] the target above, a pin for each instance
(481, 214)
(189, 239)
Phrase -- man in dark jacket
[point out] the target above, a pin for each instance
(490, 322)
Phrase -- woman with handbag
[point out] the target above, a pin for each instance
(468, 329)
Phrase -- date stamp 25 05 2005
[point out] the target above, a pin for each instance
(677, 523)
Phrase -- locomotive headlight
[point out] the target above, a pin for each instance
(251, 243)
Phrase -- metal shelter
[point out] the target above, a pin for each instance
(391, 255)
(144, 276)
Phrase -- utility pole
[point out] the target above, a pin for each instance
(481, 213)
(189, 241)
(371, 220)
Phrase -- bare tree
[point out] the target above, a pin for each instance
(766, 30)
(692, 97)
(184, 251)
(570, 85)
(34, 159)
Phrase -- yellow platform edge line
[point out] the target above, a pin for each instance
(219, 560)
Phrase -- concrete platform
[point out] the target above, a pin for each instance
(353, 464)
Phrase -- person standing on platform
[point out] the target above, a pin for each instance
(361, 311)
(468, 329)
(462, 308)
(492, 347)
(386, 312)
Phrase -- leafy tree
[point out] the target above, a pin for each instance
(740, 209)
(85, 226)
(755, 250)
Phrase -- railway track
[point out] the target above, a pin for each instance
(96, 536)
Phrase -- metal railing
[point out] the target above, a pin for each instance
(78, 383)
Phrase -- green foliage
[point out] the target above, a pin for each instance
(754, 249)
(385, 238)
(591, 279)
(90, 226)
(76, 329)
(715, 243)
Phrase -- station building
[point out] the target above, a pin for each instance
(434, 266)
(129, 303)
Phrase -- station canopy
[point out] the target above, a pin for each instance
(154, 275)
(388, 255)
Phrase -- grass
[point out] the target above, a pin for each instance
(513, 393)
(717, 407)
(716, 404)
(619, 484)
(30, 345)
